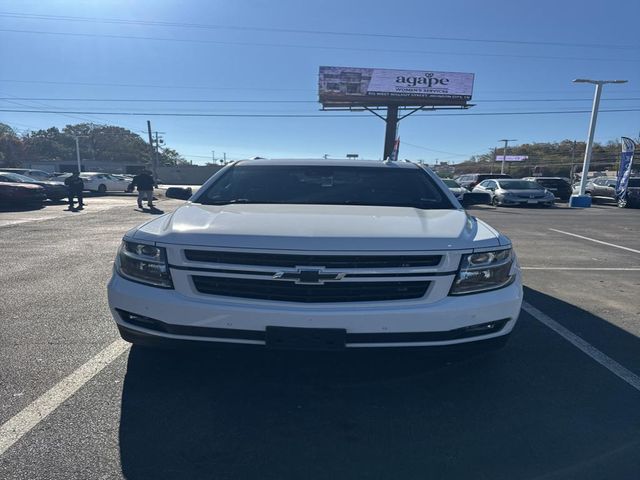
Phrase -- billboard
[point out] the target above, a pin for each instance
(512, 158)
(351, 86)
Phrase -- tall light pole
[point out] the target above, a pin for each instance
(78, 153)
(504, 152)
(581, 200)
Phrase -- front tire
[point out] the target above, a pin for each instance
(102, 189)
(495, 202)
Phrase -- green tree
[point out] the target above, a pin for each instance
(11, 147)
(171, 157)
(49, 144)
(109, 143)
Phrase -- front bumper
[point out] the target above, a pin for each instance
(526, 201)
(168, 315)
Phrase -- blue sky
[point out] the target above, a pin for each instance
(233, 51)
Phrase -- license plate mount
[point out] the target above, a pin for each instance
(295, 338)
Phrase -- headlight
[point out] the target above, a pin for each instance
(483, 271)
(144, 263)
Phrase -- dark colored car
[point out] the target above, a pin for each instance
(470, 180)
(632, 198)
(17, 194)
(53, 190)
(556, 185)
(30, 172)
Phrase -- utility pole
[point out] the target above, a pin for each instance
(213, 156)
(504, 152)
(155, 157)
(581, 200)
(153, 153)
(224, 158)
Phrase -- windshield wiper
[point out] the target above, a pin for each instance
(227, 202)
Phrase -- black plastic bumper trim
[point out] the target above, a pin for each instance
(351, 338)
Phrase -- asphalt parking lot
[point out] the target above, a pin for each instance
(560, 401)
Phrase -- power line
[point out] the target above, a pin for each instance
(75, 117)
(139, 85)
(200, 100)
(306, 31)
(298, 115)
(631, 59)
(253, 88)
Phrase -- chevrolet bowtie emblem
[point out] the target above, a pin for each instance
(309, 276)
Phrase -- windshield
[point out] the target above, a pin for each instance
(326, 185)
(451, 183)
(519, 185)
(15, 177)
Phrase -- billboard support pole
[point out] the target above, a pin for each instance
(391, 130)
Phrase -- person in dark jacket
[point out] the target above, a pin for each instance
(75, 186)
(145, 183)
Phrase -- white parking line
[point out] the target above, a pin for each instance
(587, 269)
(21, 423)
(603, 359)
(596, 241)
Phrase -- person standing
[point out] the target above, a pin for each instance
(75, 186)
(145, 183)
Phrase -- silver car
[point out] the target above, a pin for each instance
(505, 192)
(455, 188)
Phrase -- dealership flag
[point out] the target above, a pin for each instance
(628, 148)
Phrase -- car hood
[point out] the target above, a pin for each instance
(319, 227)
(29, 186)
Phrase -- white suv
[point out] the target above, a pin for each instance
(317, 255)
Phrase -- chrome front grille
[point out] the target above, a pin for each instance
(289, 291)
(312, 277)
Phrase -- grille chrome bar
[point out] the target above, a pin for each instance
(327, 261)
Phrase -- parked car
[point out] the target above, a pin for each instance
(103, 182)
(470, 180)
(600, 188)
(455, 188)
(53, 190)
(30, 172)
(559, 186)
(514, 192)
(18, 194)
(328, 254)
(632, 199)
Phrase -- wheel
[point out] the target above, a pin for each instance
(495, 202)
(623, 203)
(102, 189)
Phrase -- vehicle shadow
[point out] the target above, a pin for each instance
(536, 407)
(21, 207)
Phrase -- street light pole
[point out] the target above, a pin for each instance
(581, 200)
(78, 154)
(504, 152)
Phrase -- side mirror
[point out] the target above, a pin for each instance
(179, 193)
(476, 198)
